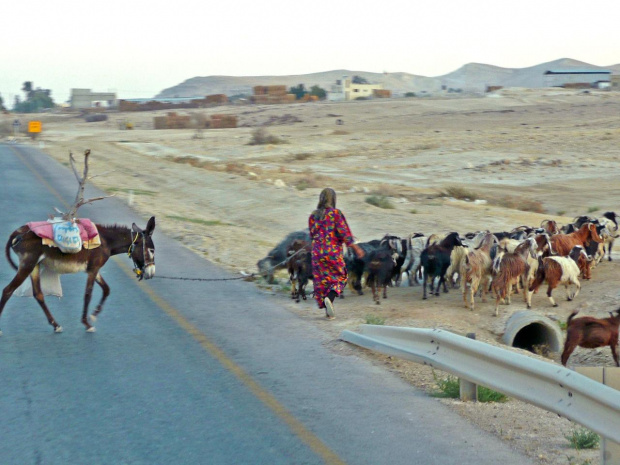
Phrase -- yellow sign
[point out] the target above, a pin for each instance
(34, 126)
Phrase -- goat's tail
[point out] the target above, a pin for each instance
(12, 241)
(571, 316)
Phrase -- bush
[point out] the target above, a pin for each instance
(583, 438)
(261, 137)
(379, 201)
(460, 193)
(449, 388)
(374, 320)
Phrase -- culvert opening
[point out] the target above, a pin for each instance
(535, 338)
(535, 333)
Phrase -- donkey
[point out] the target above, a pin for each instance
(137, 243)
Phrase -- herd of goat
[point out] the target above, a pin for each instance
(503, 263)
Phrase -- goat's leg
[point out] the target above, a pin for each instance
(445, 285)
(498, 297)
(509, 293)
(375, 291)
(472, 293)
(424, 279)
(568, 350)
(385, 291)
(614, 352)
(528, 297)
(611, 244)
(577, 289)
(549, 292)
(465, 291)
(293, 287)
(38, 295)
(88, 293)
(106, 292)
(485, 288)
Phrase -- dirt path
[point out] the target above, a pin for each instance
(553, 152)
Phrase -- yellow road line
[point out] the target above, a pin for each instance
(306, 436)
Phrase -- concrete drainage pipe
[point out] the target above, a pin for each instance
(531, 331)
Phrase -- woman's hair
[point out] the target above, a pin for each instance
(327, 199)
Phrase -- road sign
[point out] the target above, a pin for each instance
(34, 126)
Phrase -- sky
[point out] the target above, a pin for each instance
(138, 48)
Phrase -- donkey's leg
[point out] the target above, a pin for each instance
(106, 292)
(23, 272)
(90, 282)
(38, 295)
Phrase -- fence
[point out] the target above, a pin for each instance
(546, 385)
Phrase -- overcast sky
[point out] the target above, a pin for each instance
(138, 48)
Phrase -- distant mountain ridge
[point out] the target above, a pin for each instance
(472, 77)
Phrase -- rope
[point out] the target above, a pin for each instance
(205, 279)
(251, 275)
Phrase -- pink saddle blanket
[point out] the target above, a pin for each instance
(44, 229)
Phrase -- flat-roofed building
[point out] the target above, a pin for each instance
(85, 98)
(576, 77)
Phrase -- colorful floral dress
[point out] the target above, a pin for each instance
(328, 269)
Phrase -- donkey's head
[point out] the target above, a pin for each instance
(142, 250)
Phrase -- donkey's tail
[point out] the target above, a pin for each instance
(9, 244)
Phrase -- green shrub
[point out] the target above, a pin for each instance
(583, 438)
(374, 320)
(449, 387)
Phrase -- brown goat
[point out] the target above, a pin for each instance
(562, 244)
(509, 269)
(590, 333)
(559, 270)
(478, 267)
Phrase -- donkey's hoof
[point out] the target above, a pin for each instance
(58, 329)
(91, 329)
(93, 317)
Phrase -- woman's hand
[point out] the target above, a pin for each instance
(359, 252)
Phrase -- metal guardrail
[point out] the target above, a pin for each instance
(546, 385)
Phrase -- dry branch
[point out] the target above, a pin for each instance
(79, 197)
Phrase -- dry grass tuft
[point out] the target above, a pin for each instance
(460, 193)
(261, 137)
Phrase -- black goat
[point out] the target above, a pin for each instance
(356, 266)
(380, 268)
(435, 260)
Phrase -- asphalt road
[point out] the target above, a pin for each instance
(185, 372)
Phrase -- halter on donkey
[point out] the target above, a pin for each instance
(34, 255)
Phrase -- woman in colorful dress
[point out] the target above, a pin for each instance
(329, 231)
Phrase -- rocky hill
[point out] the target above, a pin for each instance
(472, 77)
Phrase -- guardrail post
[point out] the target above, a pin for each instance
(610, 376)
(468, 391)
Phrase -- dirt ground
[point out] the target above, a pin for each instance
(520, 156)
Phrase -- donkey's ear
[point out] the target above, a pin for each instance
(150, 226)
(135, 228)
